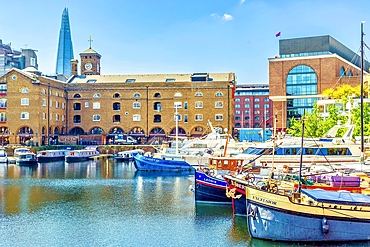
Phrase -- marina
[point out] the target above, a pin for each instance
(104, 203)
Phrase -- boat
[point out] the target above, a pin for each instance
(128, 154)
(210, 185)
(3, 156)
(26, 159)
(81, 155)
(147, 162)
(50, 155)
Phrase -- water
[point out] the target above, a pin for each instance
(106, 203)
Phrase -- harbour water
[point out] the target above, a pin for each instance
(108, 203)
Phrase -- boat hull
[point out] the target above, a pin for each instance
(50, 159)
(32, 162)
(76, 158)
(147, 163)
(274, 217)
(210, 189)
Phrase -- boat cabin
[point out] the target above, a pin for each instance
(223, 163)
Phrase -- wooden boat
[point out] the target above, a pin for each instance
(26, 159)
(210, 185)
(81, 155)
(128, 154)
(168, 163)
(50, 155)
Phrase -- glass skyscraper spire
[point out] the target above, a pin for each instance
(65, 49)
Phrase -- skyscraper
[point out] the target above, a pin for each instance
(65, 49)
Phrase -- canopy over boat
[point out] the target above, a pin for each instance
(340, 197)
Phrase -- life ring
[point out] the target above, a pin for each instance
(286, 169)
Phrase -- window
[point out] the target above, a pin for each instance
(257, 106)
(25, 115)
(3, 88)
(247, 106)
(219, 94)
(170, 79)
(198, 94)
(25, 101)
(32, 61)
(198, 117)
(247, 99)
(157, 95)
(86, 104)
(77, 95)
(3, 117)
(257, 118)
(96, 105)
(179, 117)
(43, 91)
(199, 104)
(185, 118)
(267, 106)
(76, 119)
(256, 100)
(136, 95)
(51, 116)
(62, 118)
(44, 102)
(219, 104)
(97, 95)
(237, 106)
(43, 116)
(157, 118)
(157, 106)
(342, 72)
(116, 118)
(51, 103)
(237, 100)
(257, 112)
(96, 117)
(57, 94)
(63, 105)
(56, 104)
(116, 95)
(116, 106)
(237, 118)
(136, 118)
(130, 80)
(136, 105)
(219, 117)
(77, 106)
(185, 105)
(237, 112)
(25, 90)
(177, 95)
(56, 117)
(266, 99)
(2, 103)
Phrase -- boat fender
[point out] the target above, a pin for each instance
(325, 225)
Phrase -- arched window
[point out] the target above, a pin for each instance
(342, 72)
(219, 94)
(25, 90)
(116, 95)
(157, 95)
(198, 94)
(350, 73)
(97, 95)
(77, 95)
(177, 95)
(301, 80)
(256, 100)
(136, 95)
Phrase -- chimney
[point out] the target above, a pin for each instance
(74, 64)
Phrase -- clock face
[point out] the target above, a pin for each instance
(88, 66)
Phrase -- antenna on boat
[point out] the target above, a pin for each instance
(362, 94)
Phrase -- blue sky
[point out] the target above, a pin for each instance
(163, 36)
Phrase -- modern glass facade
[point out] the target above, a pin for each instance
(301, 81)
(65, 49)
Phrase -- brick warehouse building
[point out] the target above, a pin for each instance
(37, 108)
(306, 67)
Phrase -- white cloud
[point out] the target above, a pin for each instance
(227, 17)
(215, 15)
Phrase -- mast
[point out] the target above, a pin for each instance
(362, 94)
(301, 157)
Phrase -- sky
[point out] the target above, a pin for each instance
(173, 36)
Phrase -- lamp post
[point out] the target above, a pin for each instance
(177, 105)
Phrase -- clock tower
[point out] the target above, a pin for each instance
(90, 61)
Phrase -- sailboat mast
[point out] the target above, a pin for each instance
(362, 93)
(301, 157)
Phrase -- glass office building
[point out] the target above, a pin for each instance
(65, 48)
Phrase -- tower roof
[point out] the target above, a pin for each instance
(90, 51)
